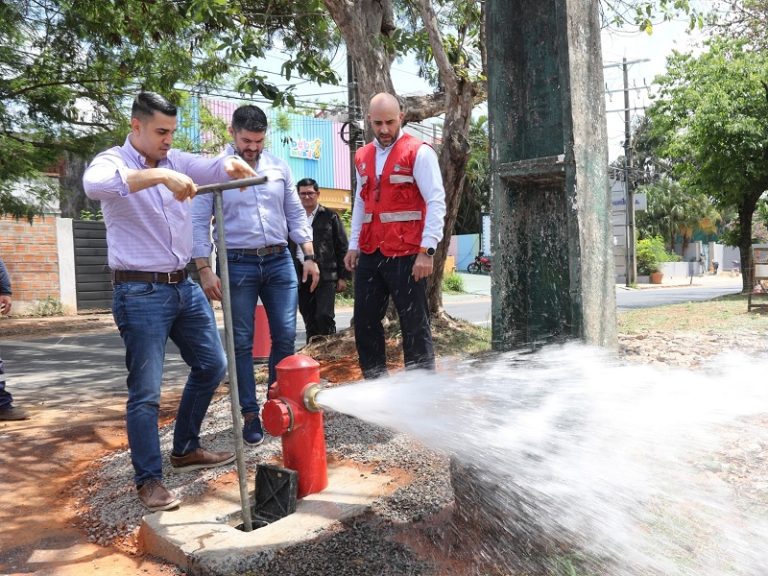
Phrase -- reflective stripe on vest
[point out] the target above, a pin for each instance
(387, 217)
(400, 216)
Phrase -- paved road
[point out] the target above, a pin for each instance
(61, 371)
(629, 299)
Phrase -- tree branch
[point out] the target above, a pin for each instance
(446, 72)
(418, 108)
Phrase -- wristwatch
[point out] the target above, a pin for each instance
(310, 257)
(427, 251)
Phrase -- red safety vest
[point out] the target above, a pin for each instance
(394, 208)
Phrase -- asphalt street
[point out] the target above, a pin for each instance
(62, 371)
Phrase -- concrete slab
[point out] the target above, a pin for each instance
(202, 539)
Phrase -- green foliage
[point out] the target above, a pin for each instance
(49, 307)
(475, 196)
(70, 67)
(453, 283)
(644, 14)
(673, 210)
(712, 119)
(651, 253)
(745, 19)
(91, 215)
(346, 220)
(212, 127)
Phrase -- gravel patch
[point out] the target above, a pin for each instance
(367, 544)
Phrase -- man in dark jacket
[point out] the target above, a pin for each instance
(330, 243)
(7, 411)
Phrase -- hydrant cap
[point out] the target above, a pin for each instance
(297, 361)
(277, 417)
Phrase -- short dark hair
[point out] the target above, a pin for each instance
(147, 103)
(307, 182)
(249, 117)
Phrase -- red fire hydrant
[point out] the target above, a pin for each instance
(292, 413)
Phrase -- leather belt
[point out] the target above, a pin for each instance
(266, 251)
(159, 277)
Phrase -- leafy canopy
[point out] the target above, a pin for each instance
(712, 118)
(69, 67)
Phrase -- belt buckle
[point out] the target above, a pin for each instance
(170, 280)
(262, 251)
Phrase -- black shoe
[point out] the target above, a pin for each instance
(253, 434)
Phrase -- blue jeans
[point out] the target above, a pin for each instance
(273, 279)
(147, 314)
(5, 397)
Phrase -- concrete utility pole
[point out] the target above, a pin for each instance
(629, 193)
(553, 267)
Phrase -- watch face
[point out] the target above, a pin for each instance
(431, 251)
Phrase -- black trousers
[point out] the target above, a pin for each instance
(378, 277)
(317, 308)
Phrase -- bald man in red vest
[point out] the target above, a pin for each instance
(397, 222)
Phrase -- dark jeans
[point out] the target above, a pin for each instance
(378, 277)
(5, 397)
(272, 279)
(147, 314)
(317, 308)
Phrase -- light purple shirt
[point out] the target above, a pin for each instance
(148, 230)
(263, 215)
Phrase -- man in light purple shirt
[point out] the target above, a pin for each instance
(257, 225)
(144, 187)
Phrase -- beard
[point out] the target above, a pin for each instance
(251, 157)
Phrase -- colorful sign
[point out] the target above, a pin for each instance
(306, 149)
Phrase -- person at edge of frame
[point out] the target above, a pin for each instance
(7, 410)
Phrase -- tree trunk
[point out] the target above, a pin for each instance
(454, 155)
(362, 24)
(746, 210)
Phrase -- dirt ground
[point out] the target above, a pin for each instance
(44, 459)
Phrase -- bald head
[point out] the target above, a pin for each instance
(386, 117)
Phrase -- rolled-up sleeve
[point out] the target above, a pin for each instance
(106, 176)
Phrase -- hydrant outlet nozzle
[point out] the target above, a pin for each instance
(310, 397)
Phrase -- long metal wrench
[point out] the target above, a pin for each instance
(229, 338)
(242, 183)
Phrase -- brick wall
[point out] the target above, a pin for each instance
(30, 253)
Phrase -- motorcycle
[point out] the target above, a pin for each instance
(482, 264)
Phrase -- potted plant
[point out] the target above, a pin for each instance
(650, 254)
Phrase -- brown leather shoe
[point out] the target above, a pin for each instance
(201, 458)
(11, 413)
(156, 497)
